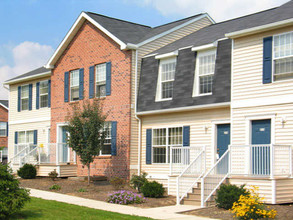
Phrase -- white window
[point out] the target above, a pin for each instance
(24, 97)
(44, 93)
(3, 129)
(106, 149)
(166, 79)
(101, 80)
(283, 56)
(25, 137)
(163, 140)
(204, 73)
(74, 85)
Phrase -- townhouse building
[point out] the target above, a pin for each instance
(4, 130)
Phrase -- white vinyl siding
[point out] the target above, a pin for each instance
(74, 85)
(24, 97)
(44, 93)
(101, 80)
(3, 129)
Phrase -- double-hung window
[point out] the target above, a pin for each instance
(166, 78)
(205, 69)
(74, 85)
(106, 149)
(26, 137)
(3, 129)
(283, 56)
(44, 93)
(101, 80)
(25, 97)
(163, 140)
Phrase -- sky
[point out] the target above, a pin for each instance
(31, 30)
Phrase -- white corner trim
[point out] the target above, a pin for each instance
(205, 47)
(4, 106)
(36, 76)
(167, 55)
(259, 29)
(29, 121)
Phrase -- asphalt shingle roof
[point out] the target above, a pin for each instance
(31, 73)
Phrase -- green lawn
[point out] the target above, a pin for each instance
(46, 209)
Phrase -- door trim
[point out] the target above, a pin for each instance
(59, 130)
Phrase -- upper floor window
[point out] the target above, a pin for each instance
(25, 97)
(166, 79)
(74, 85)
(283, 56)
(205, 69)
(3, 129)
(44, 93)
(101, 80)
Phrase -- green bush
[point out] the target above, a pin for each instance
(153, 189)
(12, 197)
(53, 175)
(137, 181)
(228, 194)
(117, 182)
(55, 187)
(82, 190)
(28, 171)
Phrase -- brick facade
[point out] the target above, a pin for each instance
(90, 46)
(3, 117)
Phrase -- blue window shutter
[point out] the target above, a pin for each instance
(30, 96)
(92, 82)
(7, 126)
(38, 95)
(49, 93)
(267, 59)
(66, 86)
(35, 137)
(149, 146)
(108, 78)
(19, 99)
(186, 136)
(16, 137)
(114, 138)
(81, 82)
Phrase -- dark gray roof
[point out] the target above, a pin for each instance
(31, 73)
(217, 31)
(4, 102)
(129, 32)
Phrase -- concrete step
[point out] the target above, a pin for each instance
(191, 202)
(193, 196)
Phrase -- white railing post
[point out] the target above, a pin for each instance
(39, 154)
(202, 192)
(272, 161)
(68, 153)
(171, 160)
(178, 195)
(230, 160)
(57, 153)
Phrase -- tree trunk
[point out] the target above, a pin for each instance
(88, 174)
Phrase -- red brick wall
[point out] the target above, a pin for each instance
(89, 47)
(3, 117)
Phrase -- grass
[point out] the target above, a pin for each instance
(46, 209)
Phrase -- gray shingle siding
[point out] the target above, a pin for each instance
(184, 79)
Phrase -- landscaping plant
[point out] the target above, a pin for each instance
(228, 194)
(82, 190)
(153, 189)
(86, 129)
(53, 175)
(55, 187)
(251, 206)
(125, 197)
(137, 181)
(12, 197)
(27, 171)
(117, 182)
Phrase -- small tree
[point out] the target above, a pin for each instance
(86, 132)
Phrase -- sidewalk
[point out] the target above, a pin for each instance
(167, 212)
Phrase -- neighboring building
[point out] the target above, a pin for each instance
(216, 105)
(4, 109)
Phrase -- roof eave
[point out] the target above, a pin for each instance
(23, 79)
(4, 106)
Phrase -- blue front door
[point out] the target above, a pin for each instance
(261, 135)
(223, 141)
(64, 146)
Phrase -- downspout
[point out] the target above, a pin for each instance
(135, 113)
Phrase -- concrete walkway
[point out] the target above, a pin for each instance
(167, 212)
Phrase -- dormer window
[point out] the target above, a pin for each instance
(166, 79)
(204, 73)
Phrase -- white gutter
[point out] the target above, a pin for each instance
(27, 78)
(167, 55)
(205, 47)
(259, 29)
(189, 108)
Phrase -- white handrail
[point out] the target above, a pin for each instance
(28, 154)
(13, 158)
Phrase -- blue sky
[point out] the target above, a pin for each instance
(32, 29)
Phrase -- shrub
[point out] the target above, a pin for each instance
(137, 181)
(153, 189)
(53, 175)
(28, 171)
(125, 197)
(12, 197)
(82, 190)
(251, 207)
(55, 187)
(117, 182)
(228, 194)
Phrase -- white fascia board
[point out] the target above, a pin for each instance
(40, 75)
(167, 55)
(259, 29)
(73, 30)
(183, 109)
(150, 55)
(4, 106)
(205, 47)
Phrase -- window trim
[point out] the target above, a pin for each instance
(28, 98)
(95, 81)
(43, 94)
(196, 87)
(70, 96)
(4, 122)
(159, 83)
(100, 153)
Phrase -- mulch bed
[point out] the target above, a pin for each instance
(98, 190)
(284, 212)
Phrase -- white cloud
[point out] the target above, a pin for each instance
(26, 57)
(219, 10)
